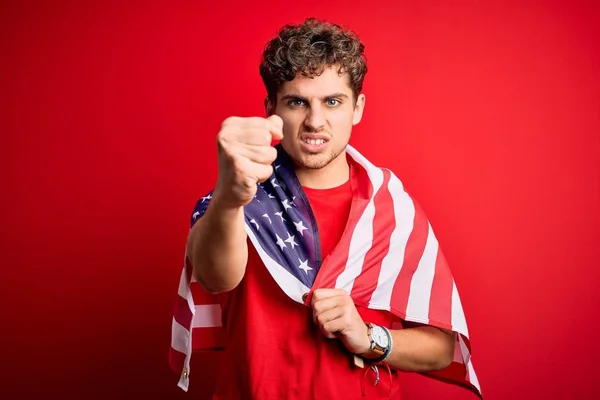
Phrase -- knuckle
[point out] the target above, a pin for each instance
(321, 320)
(229, 121)
(238, 166)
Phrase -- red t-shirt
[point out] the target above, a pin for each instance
(275, 351)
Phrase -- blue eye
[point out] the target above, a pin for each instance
(296, 103)
(333, 102)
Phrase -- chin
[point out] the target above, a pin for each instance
(314, 161)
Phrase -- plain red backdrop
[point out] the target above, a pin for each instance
(489, 113)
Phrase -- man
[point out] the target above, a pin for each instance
(298, 244)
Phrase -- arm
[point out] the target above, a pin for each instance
(217, 247)
(417, 348)
(421, 349)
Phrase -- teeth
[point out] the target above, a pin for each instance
(314, 141)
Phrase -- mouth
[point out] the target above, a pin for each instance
(314, 144)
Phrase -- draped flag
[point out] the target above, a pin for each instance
(387, 259)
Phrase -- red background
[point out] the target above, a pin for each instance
(489, 113)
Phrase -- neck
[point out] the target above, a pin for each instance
(334, 174)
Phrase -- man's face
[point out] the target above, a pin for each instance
(318, 114)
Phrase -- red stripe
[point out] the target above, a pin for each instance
(440, 302)
(457, 374)
(384, 223)
(415, 247)
(182, 312)
(335, 264)
(208, 338)
(201, 296)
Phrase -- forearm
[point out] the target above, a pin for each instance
(217, 248)
(421, 349)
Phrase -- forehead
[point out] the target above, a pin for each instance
(325, 84)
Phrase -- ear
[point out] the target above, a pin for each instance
(269, 108)
(358, 109)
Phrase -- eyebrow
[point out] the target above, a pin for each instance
(298, 97)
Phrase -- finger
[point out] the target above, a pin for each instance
(325, 321)
(262, 172)
(277, 129)
(321, 294)
(254, 136)
(273, 125)
(332, 328)
(259, 154)
(324, 305)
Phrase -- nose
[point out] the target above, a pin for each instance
(315, 119)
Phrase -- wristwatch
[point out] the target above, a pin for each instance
(381, 343)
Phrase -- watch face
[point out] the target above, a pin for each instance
(379, 336)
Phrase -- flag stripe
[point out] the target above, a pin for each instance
(459, 323)
(207, 316)
(412, 254)
(362, 236)
(179, 337)
(182, 313)
(404, 214)
(335, 263)
(440, 304)
(384, 224)
(420, 286)
(211, 337)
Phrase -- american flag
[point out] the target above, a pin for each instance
(387, 259)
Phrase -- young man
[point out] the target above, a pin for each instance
(298, 242)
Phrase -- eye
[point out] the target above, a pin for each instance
(296, 103)
(332, 102)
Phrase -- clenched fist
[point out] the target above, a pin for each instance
(336, 315)
(245, 156)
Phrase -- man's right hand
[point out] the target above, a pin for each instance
(245, 156)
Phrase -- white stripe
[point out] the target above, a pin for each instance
(404, 214)
(459, 322)
(362, 237)
(179, 337)
(473, 377)
(422, 281)
(286, 281)
(207, 316)
(466, 354)
(184, 287)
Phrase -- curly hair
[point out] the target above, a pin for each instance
(308, 49)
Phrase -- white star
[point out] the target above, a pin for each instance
(285, 204)
(255, 223)
(280, 242)
(291, 241)
(274, 182)
(277, 167)
(271, 196)
(206, 198)
(300, 227)
(304, 266)
(256, 197)
(280, 215)
(195, 215)
(265, 215)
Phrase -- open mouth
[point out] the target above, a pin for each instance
(313, 142)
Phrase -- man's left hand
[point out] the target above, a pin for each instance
(336, 315)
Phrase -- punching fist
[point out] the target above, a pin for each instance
(245, 156)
